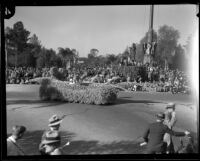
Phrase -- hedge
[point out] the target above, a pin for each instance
(52, 89)
(55, 73)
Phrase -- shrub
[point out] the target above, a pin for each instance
(52, 89)
(57, 73)
(46, 92)
(54, 72)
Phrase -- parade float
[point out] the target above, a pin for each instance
(51, 88)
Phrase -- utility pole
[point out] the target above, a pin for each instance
(150, 36)
(150, 46)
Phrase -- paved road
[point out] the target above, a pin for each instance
(123, 121)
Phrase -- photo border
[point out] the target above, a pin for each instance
(74, 157)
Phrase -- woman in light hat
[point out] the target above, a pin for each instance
(54, 122)
(170, 120)
(51, 143)
(54, 125)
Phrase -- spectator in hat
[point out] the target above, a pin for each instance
(153, 135)
(54, 122)
(170, 120)
(12, 147)
(187, 146)
(54, 125)
(170, 115)
(52, 143)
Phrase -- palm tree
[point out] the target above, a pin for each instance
(67, 56)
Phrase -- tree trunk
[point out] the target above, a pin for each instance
(16, 59)
(166, 64)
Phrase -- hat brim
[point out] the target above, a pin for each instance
(55, 123)
(170, 107)
(49, 141)
(160, 117)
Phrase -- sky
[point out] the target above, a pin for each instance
(110, 29)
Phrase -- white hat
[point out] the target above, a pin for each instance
(170, 105)
(54, 120)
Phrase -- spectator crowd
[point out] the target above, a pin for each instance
(102, 74)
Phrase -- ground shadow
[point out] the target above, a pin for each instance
(126, 97)
(126, 101)
(44, 103)
(31, 140)
(93, 147)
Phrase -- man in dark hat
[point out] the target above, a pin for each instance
(153, 135)
(12, 147)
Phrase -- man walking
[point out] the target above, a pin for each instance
(12, 146)
(170, 120)
(153, 135)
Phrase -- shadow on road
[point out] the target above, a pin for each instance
(93, 147)
(44, 103)
(125, 101)
(31, 140)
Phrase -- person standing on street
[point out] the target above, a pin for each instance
(51, 143)
(154, 133)
(54, 125)
(13, 149)
(170, 120)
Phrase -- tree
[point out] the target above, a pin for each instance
(47, 58)
(75, 55)
(34, 40)
(133, 51)
(179, 60)
(93, 53)
(93, 58)
(34, 48)
(40, 62)
(66, 55)
(16, 40)
(110, 59)
(20, 36)
(167, 43)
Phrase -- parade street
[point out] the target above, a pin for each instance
(104, 129)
